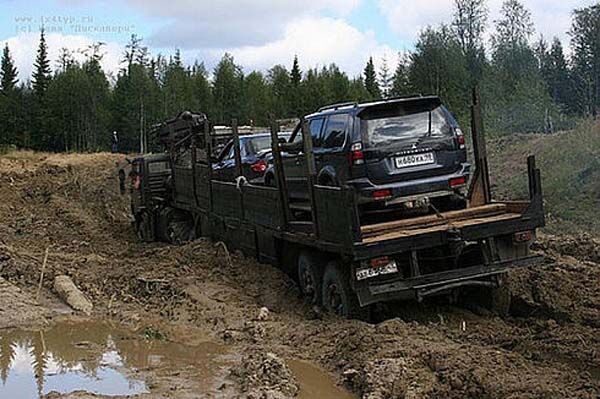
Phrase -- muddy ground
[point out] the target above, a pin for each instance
(549, 346)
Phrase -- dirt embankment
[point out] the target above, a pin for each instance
(548, 347)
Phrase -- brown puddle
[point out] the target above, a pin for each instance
(315, 382)
(93, 357)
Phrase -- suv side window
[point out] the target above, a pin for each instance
(315, 126)
(335, 132)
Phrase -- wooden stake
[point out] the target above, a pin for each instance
(37, 294)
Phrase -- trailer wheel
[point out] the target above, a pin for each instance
(337, 295)
(145, 226)
(310, 277)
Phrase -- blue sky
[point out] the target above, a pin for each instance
(259, 33)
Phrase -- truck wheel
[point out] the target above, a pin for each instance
(180, 228)
(337, 295)
(500, 299)
(310, 277)
(145, 227)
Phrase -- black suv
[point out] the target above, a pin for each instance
(402, 152)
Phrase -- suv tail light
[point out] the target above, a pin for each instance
(381, 194)
(357, 157)
(259, 166)
(457, 182)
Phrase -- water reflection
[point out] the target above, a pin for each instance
(89, 356)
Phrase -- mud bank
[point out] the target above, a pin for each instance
(547, 347)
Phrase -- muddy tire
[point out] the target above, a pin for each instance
(500, 300)
(179, 228)
(310, 277)
(337, 295)
(145, 226)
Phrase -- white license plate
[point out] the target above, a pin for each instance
(414, 160)
(363, 274)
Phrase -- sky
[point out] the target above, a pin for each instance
(258, 33)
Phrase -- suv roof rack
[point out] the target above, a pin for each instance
(338, 105)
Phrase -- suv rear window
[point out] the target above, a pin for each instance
(386, 127)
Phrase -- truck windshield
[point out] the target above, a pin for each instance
(385, 128)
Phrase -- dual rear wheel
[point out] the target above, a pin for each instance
(327, 284)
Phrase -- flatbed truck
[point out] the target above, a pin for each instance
(341, 263)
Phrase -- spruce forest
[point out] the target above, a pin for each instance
(528, 83)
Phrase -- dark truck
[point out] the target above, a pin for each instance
(342, 262)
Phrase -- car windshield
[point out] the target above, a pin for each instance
(382, 129)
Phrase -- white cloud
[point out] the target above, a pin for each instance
(24, 47)
(407, 18)
(317, 41)
(194, 24)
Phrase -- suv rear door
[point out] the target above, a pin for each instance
(409, 141)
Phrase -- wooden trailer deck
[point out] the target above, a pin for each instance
(435, 223)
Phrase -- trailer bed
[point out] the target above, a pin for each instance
(437, 223)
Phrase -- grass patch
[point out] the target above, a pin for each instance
(570, 166)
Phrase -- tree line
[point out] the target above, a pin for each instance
(528, 84)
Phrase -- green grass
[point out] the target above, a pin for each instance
(570, 167)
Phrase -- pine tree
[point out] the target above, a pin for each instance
(585, 41)
(401, 79)
(41, 79)
(385, 79)
(371, 80)
(296, 103)
(201, 87)
(257, 96)
(227, 90)
(295, 73)
(9, 99)
(41, 74)
(8, 72)
(558, 77)
(280, 83)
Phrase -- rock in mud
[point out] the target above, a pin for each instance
(265, 375)
(263, 314)
(68, 292)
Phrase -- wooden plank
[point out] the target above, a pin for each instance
(429, 220)
(446, 226)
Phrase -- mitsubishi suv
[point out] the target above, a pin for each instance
(399, 153)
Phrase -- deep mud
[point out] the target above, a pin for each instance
(549, 346)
